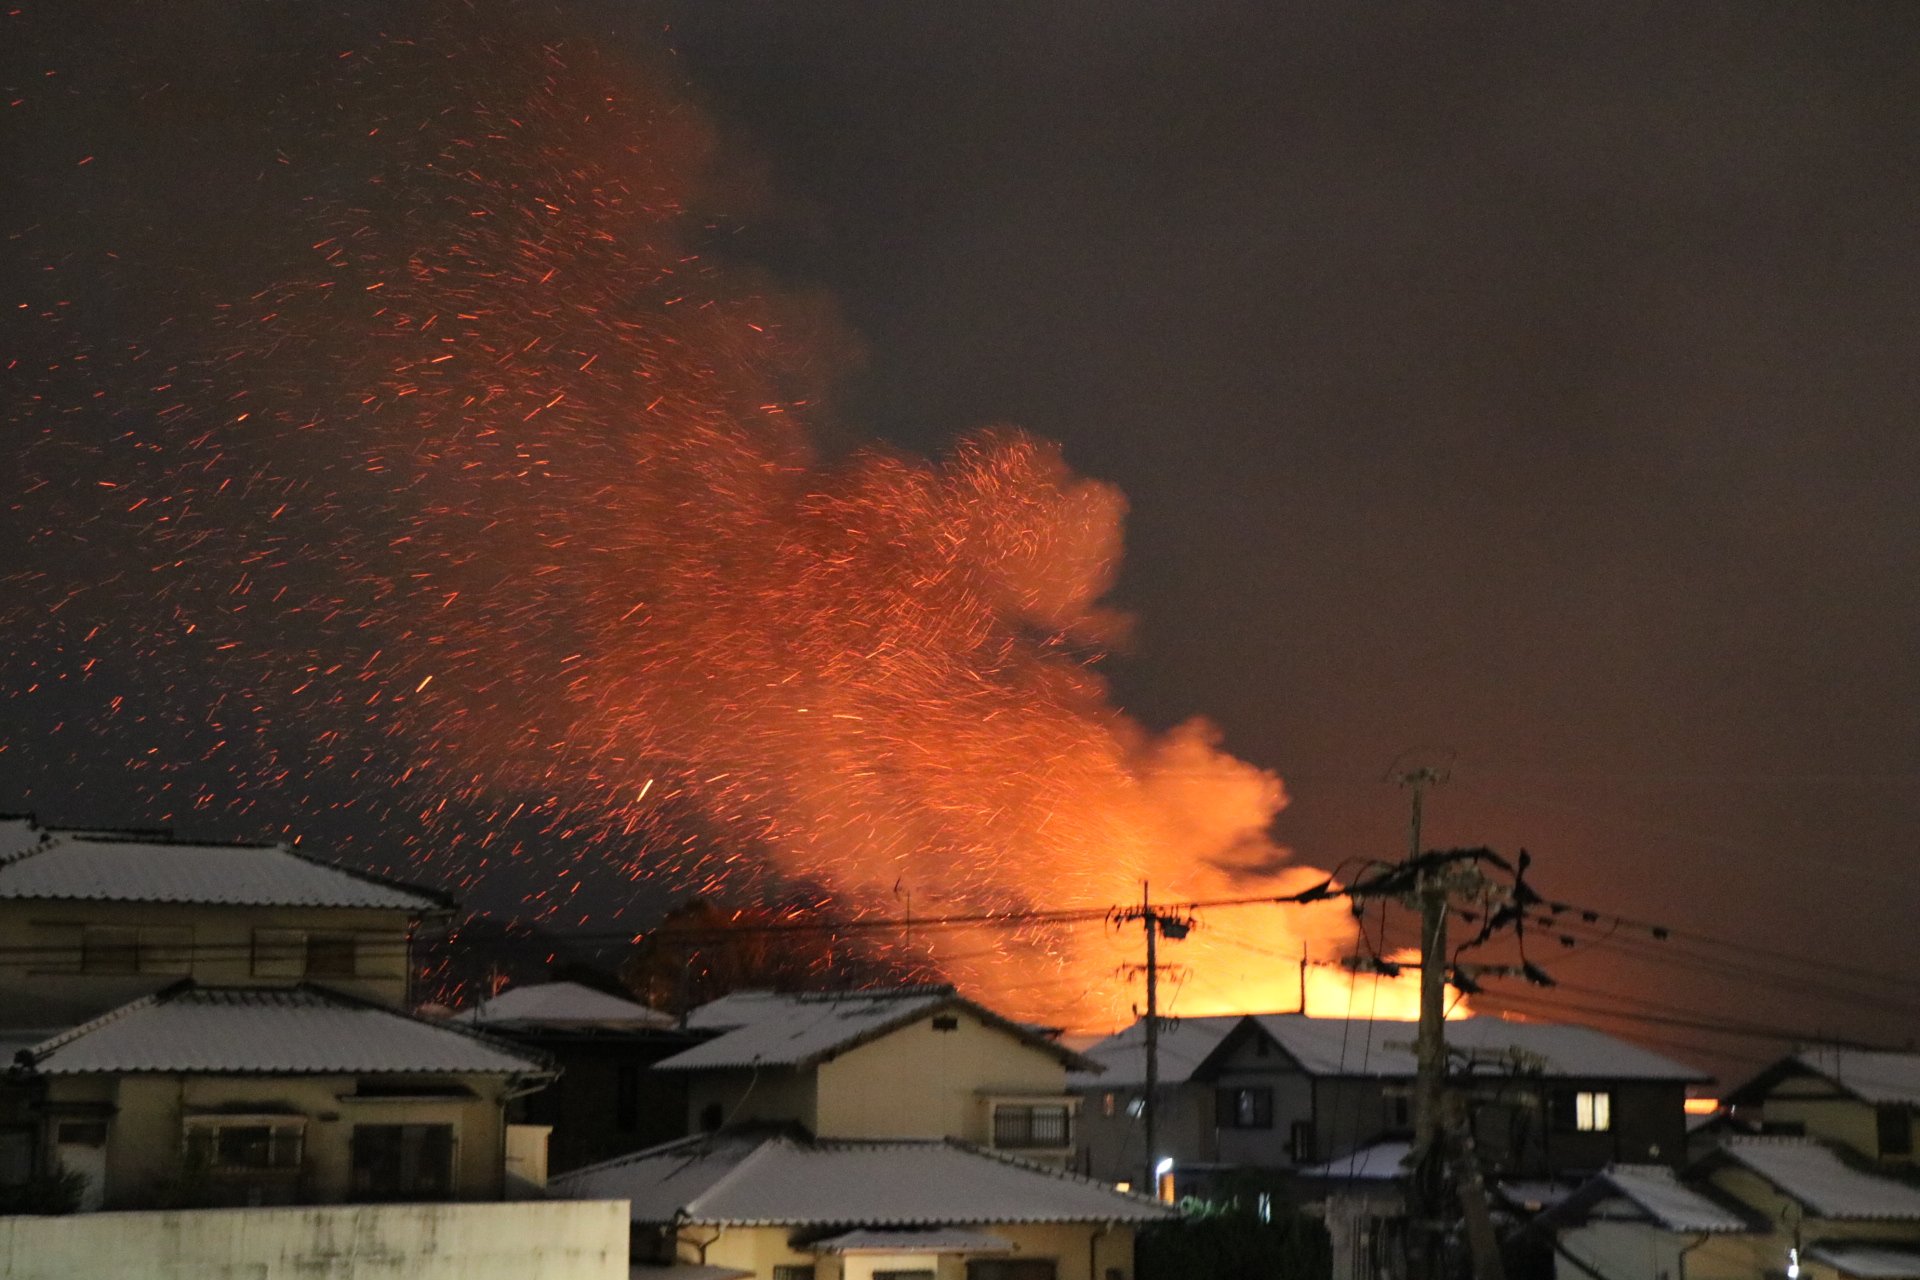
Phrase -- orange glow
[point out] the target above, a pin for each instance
(1702, 1106)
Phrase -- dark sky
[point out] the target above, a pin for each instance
(1531, 386)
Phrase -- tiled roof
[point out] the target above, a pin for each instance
(563, 1004)
(799, 1030)
(18, 834)
(1357, 1047)
(762, 1179)
(247, 1031)
(736, 1009)
(1813, 1174)
(1184, 1044)
(105, 868)
(1376, 1162)
(1657, 1192)
(1866, 1260)
(925, 1240)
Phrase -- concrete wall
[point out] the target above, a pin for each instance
(145, 1137)
(43, 988)
(919, 1082)
(759, 1250)
(536, 1240)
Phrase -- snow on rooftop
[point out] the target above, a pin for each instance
(761, 1179)
(1873, 1076)
(1184, 1045)
(1814, 1174)
(105, 868)
(1866, 1260)
(244, 1031)
(800, 1029)
(564, 1005)
(1658, 1193)
(1375, 1162)
(1360, 1047)
(18, 834)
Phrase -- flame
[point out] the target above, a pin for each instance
(535, 484)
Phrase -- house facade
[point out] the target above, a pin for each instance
(920, 1062)
(1867, 1101)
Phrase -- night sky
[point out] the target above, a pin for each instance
(1526, 389)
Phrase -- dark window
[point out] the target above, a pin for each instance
(793, 1271)
(1896, 1130)
(1300, 1142)
(110, 950)
(626, 1097)
(403, 1161)
(1399, 1112)
(244, 1146)
(926, 1274)
(1243, 1107)
(946, 1022)
(1040, 1125)
(1009, 1269)
(710, 1117)
(81, 1133)
(330, 955)
(16, 1155)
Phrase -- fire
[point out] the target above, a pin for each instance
(521, 506)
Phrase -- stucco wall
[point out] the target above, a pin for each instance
(772, 1095)
(760, 1249)
(917, 1082)
(39, 989)
(145, 1136)
(535, 1240)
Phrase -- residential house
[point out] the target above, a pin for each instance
(916, 1062)
(607, 1101)
(1286, 1091)
(1755, 1206)
(783, 1205)
(1865, 1100)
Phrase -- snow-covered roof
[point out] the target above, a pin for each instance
(1867, 1260)
(1375, 1162)
(1184, 1045)
(1657, 1192)
(922, 1240)
(18, 834)
(101, 867)
(736, 1009)
(1814, 1174)
(1870, 1075)
(563, 1005)
(778, 1179)
(1378, 1049)
(265, 1031)
(799, 1030)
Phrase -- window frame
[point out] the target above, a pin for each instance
(1243, 1106)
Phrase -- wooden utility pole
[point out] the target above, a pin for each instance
(1430, 1048)
(1153, 1040)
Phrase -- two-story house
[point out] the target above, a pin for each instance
(196, 1024)
(1865, 1100)
(1290, 1092)
(899, 1134)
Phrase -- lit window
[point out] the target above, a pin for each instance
(1583, 1111)
(1106, 1104)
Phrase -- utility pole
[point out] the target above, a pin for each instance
(1157, 923)
(1430, 1048)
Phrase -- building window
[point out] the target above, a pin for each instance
(1108, 1104)
(403, 1161)
(1583, 1111)
(1136, 1106)
(1895, 1124)
(1044, 1125)
(251, 1146)
(1009, 1269)
(925, 1273)
(793, 1271)
(1300, 1144)
(130, 949)
(1243, 1107)
(295, 953)
(81, 1133)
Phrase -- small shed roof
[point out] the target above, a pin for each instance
(1375, 1162)
(98, 867)
(922, 1240)
(1657, 1192)
(757, 1178)
(190, 1030)
(563, 1005)
(1813, 1174)
(800, 1030)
